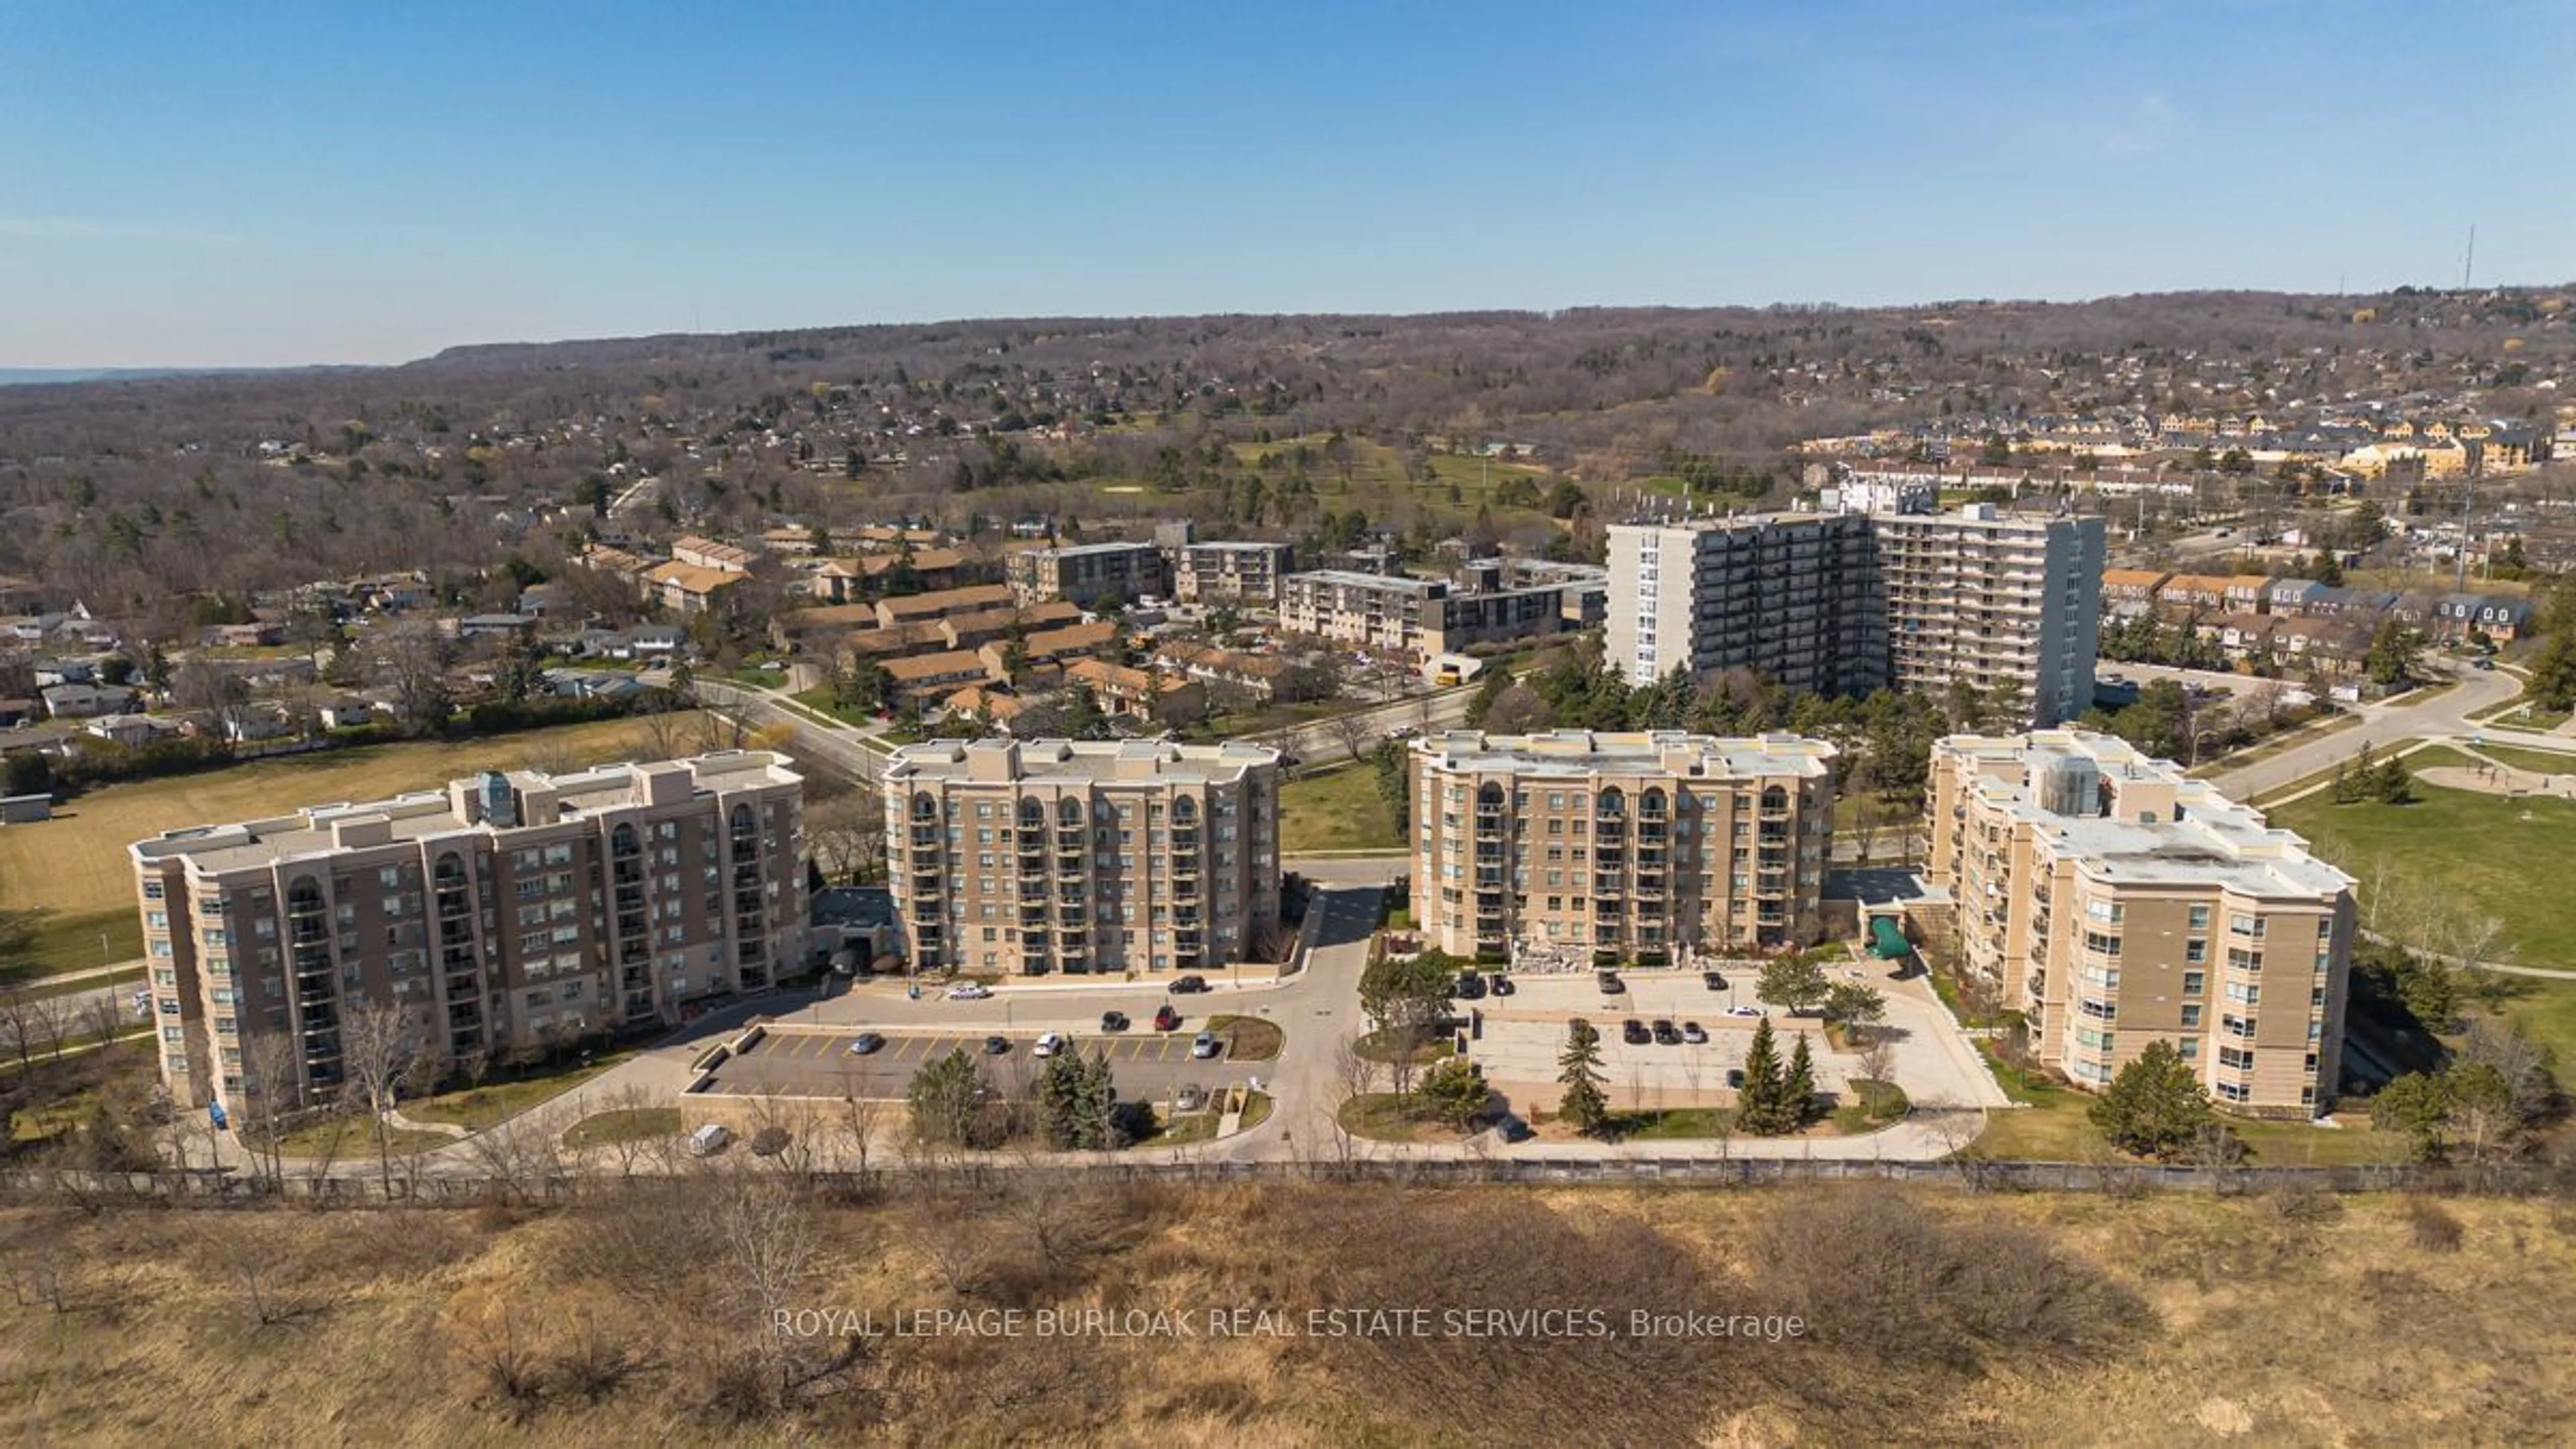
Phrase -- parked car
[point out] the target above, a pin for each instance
(1512, 1129)
(1712, 980)
(1113, 1021)
(1047, 1045)
(1167, 1019)
(1611, 985)
(969, 991)
(1692, 1034)
(1204, 1044)
(1185, 985)
(1744, 1011)
(1735, 1078)
(1666, 1034)
(1634, 1033)
(709, 1140)
(1500, 984)
(866, 1043)
(994, 1046)
(1189, 1099)
(1469, 987)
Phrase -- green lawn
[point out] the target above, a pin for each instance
(2507, 858)
(1248, 1038)
(629, 1124)
(477, 1108)
(2530, 717)
(357, 1140)
(1674, 1125)
(2055, 1129)
(2546, 1012)
(1340, 810)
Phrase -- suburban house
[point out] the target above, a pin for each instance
(1135, 693)
(917, 675)
(2192, 593)
(686, 587)
(2290, 596)
(2130, 592)
(1254, 676)
(911, 608)
(495, 626)
(86, 701)
(2499, 617)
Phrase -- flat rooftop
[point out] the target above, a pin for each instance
(1107, 763)
(1354, 579)
(1574, 753)
(2205, 839)
(551, 800)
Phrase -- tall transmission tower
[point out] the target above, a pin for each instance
(2469, 262)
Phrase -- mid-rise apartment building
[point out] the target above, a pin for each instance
(1086, 574)
(1791, 596)
(2116, 901)
(2007, 603)
(1503, 601)
(504, 913)
(1848, 603)
(1633, 846)
(1229, 573)
(1034, 856)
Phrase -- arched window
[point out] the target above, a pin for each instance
(1775, 798)
(1612, 804)
(1489, 793)
(1068, 812)
(925, 806)
(624, 841)
(1650, 801)
(1185, 811)
(1032, 815)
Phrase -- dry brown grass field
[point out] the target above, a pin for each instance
(75, 864)
(1935, 1317)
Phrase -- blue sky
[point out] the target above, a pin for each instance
(253, 183)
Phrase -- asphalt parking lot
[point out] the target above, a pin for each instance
(1524, 1033)
(1148, 1065)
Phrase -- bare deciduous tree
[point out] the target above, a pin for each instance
(377, 1044)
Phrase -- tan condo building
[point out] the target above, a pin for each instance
(1641, 847)
(1027, 857)
(504, 913)
(2116, 901)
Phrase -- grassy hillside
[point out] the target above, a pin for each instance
(1942, 1318)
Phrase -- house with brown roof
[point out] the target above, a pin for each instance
(1255, 675)
(2184, 594)
(942, 603)
(982, 699)
(688, 588)
(1071, 642)
(916, 675)
(706, 553)
(2128, 593)
(844, 579)
(1136, 693)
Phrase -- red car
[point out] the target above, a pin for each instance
(1167, 1019)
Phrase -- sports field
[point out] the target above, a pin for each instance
(75, 864)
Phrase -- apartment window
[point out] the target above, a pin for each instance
(2244, 960)
(152, 890)
(2105, 945)
(2195, 951)
(2251, 926)
(2235, 1059)
(2239, 991)
(559, 854)
(2195, 983)
(157, 920)
(2101, 910)
(2191, 1015)
(2200, 918)
(2188, 1048)
(2239, 1027)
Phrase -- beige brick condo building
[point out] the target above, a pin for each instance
(1627, 845)
(1028, 857)
(503, 913)
(2116, 901)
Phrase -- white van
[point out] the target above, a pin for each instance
(709, 1140)
(1049, 1045)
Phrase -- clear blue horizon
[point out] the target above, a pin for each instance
(274, 184)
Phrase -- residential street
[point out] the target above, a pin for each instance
(2443, 714)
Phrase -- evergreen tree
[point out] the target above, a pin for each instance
(1798, 1084)
(1760, 1105)
(1579, 1068)
(2155, 1107)
(1096, 1114)
(1059, 1094)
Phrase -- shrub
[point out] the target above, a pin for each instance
(2436, 1229)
